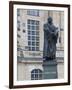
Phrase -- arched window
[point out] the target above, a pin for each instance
(36, 74)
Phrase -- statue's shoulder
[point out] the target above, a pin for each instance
(45, 25)
(54, 27)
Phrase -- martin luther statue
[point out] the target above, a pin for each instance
(50, 40)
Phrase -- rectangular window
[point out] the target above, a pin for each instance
(18, 25)
(33, 43)
(33, 12)
(33, 35)
(18, 12)
(33, 32)
(18, 36)
(29, 43)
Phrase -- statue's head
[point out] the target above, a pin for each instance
(50, 20)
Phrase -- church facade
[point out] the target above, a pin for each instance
(30, 40)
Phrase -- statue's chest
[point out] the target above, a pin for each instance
(51, 28)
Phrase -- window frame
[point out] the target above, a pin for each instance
(34, 34)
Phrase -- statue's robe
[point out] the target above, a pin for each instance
(50, 40)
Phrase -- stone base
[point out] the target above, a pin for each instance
(50, 69)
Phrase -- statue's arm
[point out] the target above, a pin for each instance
(55, 31)
(45, 28)
(55, 35)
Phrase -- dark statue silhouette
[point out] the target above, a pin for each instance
(50, 40)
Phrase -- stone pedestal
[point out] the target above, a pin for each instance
(49, 69)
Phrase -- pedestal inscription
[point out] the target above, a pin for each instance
(49, 69)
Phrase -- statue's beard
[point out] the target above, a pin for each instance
(50, 22)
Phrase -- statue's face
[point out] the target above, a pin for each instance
(50, 20)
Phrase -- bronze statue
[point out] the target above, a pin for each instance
(50, 40)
